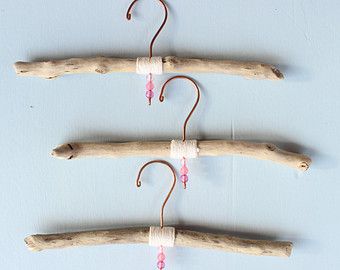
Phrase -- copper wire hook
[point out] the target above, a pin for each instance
(161, 99)
(139, 183)
(128, 17)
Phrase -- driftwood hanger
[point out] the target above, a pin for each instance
(183, 238)
(51, 69)
(262, 151)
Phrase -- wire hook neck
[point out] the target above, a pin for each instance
(139, 183)
(161, 99)
(129, 16)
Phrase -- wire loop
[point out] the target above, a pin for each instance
(161, 99)
(129, 16)
(139, 183)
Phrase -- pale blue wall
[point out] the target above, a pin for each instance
(40, 194)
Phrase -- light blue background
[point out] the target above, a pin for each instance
(239, 195)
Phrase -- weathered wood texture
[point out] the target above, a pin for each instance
(184, 238)
(263, 151)
(171, 64)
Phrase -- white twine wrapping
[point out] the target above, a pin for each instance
(180, 149)
(145, 65)
(162, 236)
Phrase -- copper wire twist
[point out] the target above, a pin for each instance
(139, 183)
(161, 99)
(128, 17)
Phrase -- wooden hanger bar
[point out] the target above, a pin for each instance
(184, 238)
(263, 151)
(171, 64)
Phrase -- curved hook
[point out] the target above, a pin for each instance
(161, 99)
(128, 17)
(139, 183)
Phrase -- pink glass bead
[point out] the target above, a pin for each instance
(149, 94)
(161, 257)
(184, 178)
(160, 265)
(184, 170)
(150, 85)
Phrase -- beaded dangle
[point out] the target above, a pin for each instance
(149, 87)
(161, 258)
(184, 172)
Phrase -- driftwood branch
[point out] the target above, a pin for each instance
(171, 64)
(184, 238)
(263, 151)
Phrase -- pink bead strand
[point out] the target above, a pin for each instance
(149, 87)
(161, 259)
(184, 172)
